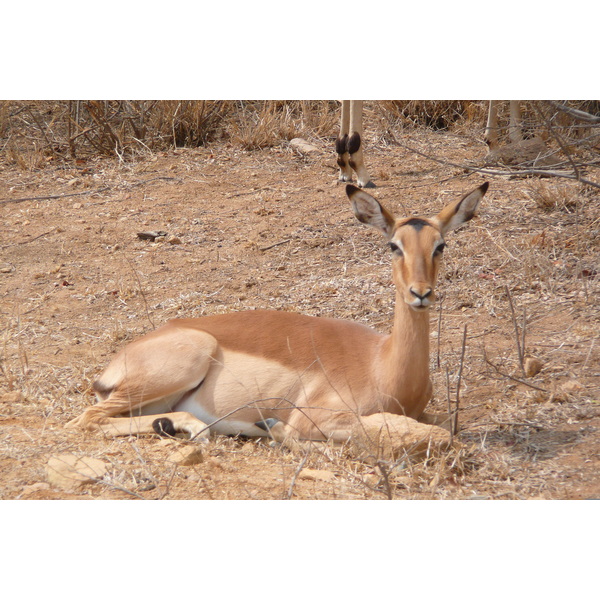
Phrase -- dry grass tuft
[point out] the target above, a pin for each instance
(552, 195)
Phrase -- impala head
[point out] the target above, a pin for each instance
(417, 243)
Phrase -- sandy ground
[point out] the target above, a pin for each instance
(273, 229)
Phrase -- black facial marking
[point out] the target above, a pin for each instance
(417, 223)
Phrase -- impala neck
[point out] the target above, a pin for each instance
(405, 355)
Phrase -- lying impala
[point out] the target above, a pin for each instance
(262, 373)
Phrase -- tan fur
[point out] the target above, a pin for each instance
(315, 375)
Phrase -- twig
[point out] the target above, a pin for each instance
(276, 244)
(439, 330)
(514, 320)
(17, 200)
(96, 191)
(523, 331)
(574, 112)
(460, 368)
(37, 237)
(141, 292)
(386, 480)
(298, 470)
(449, 405)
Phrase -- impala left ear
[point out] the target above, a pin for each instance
(368, 210)
(459, 212)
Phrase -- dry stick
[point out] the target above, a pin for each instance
(96, 191)
(514, 320)
(300, 467)
(496, 172)
(274, 245)
(574, 112)
(386, 480)
(460, 368)
(449, 405)
(439, 331)
(141, 291)
(17, 200)
(523, 330)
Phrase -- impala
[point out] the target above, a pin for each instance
(281, 374)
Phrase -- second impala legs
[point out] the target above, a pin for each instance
(349, 144)
(514, 128)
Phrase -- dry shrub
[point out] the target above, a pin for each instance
(552, 195)
(263, 124)
(433, 114)
(77, 129)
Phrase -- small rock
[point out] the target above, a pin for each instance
(174, 240)
(316, 475)
(34, 487)
(13, 397)
(571, 387)
(187, 456)
(71, 472)
(532, 366)
(303, 146)
(151, 235)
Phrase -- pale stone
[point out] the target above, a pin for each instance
(571, 387)
(13, 397)
(532, 366)
(303, 146)
(187, 456)
(34, 487)
(71, 472)
(391, 437)
(316, 475)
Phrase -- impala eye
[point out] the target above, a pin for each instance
(439, 250)
(396, 249)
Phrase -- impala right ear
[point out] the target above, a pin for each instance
(460, 211)
(368, 210)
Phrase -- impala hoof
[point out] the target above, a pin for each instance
(267, 424)
(164, 427)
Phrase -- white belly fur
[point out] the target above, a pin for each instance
(239, 381)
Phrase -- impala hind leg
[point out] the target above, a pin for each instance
(147, 379)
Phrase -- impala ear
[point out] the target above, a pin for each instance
(459, 212)
(368, 210)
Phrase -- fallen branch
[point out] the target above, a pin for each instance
(59, 197)
(96, 191)
(532, 171)
(574, 112)
(274, 245)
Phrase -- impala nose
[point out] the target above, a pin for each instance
(422, 299)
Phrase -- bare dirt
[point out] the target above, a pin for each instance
(273, 229)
